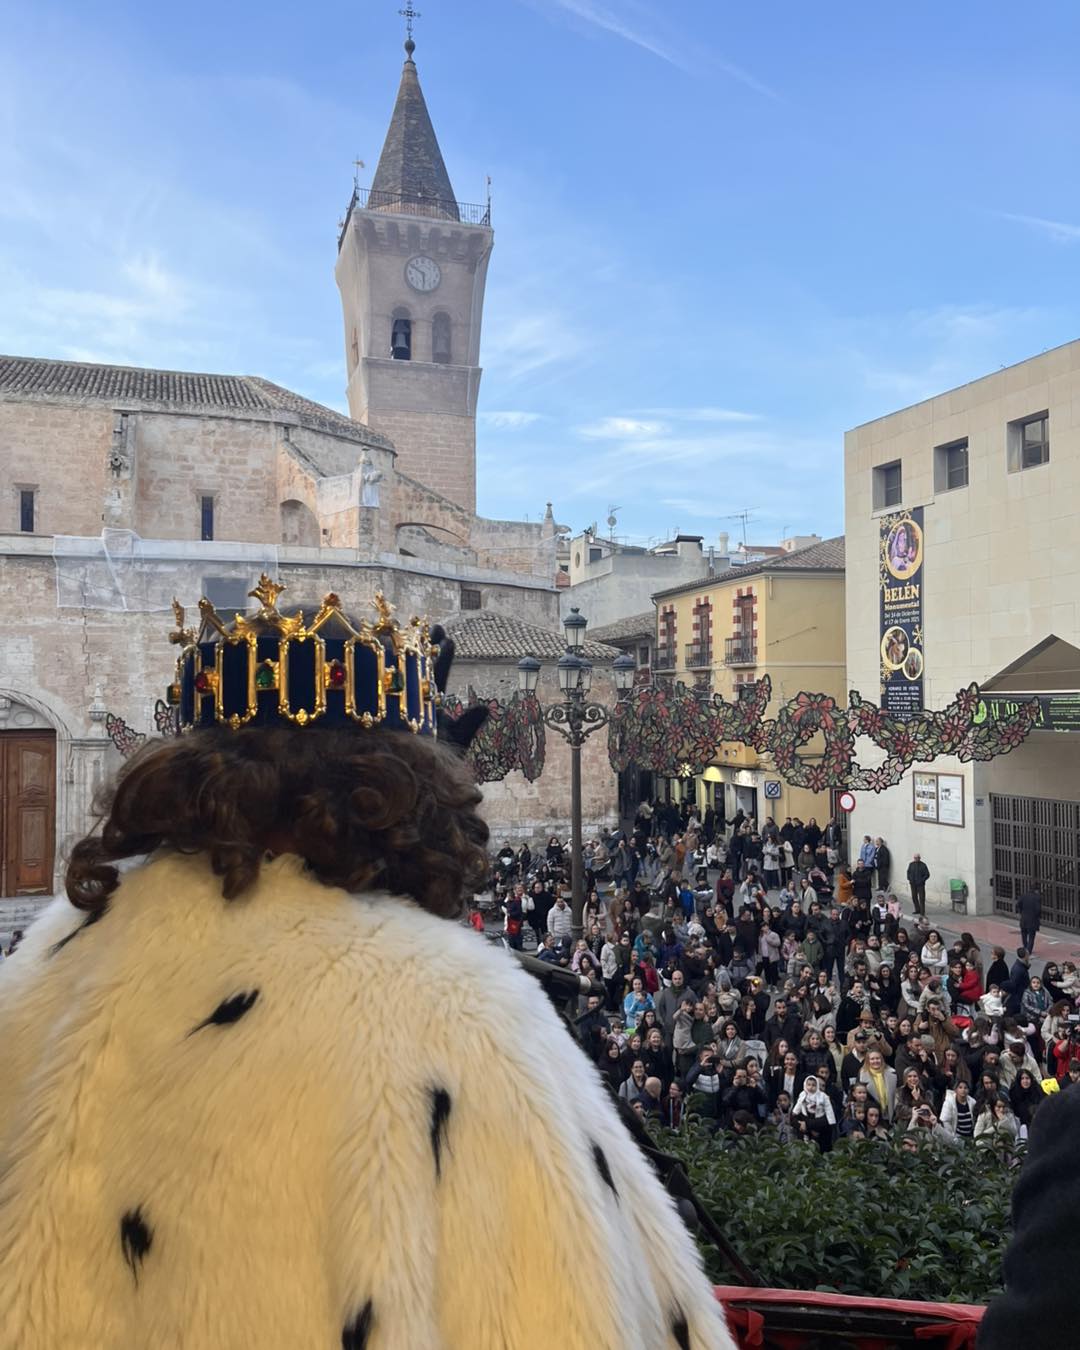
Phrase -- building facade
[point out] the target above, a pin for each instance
(609, 581)
(783, 618)
(122, 487)
(984, 481)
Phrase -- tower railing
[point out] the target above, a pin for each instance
(416, 204)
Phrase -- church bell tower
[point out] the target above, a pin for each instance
(412, 263)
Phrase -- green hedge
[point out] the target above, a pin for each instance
(867, 1218)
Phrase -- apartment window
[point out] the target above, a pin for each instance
(951, 466)
(206, 517)
(470, 599)
(888, 486)
(26, 510)
(596, 555)
(1029, 442)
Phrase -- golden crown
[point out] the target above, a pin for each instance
(270, 667)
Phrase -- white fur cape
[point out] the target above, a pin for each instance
(304, 1120)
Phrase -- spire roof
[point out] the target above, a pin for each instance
(411, 176)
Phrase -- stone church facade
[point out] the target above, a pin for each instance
(121, 487)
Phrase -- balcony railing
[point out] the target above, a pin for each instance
(664, 658)
(698, 655)
(415, 204)
(740, 652)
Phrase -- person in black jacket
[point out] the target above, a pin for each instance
(1041, 1260)
(1018, 981)
(1029, 913)
(918, 874)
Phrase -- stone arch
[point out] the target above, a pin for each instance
(441, 341)
(80, 768)
(401, 334)
(299, 524)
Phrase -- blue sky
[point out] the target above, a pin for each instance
(723, 234)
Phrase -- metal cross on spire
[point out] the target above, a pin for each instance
(408, 14)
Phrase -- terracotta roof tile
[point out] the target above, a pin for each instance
(485, 636)
(827, 556)
(636, 626)
(25, 377)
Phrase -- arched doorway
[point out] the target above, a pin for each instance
(27, 800)
(299, 525)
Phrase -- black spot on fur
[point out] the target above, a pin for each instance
(136, 1239)
(440, 1114)
(92, 918)
(354, 1335)
(228, 1010)
(680, 1330)
(602, 1167)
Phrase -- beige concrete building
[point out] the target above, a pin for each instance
(990, 475)
(784, 618)
(122, 487)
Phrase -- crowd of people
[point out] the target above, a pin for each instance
(753, 979)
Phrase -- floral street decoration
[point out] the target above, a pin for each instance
(667, 729)
(511, 738)
(671, 731)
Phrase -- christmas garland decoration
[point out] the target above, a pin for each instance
(673, 732)
(513, 737)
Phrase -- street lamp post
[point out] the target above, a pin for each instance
(575, 719)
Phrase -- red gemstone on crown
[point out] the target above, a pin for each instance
(203, 682)
(336, 675)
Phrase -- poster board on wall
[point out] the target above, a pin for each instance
(938, 799)
(924, 797)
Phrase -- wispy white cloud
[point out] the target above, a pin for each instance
(518, 344)
(638, 32)
(610, 22)
(620, 428)
(1060, 231)
(701, 414)
(509, 419)
(947, 346)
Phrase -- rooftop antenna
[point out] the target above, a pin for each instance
(408, 14)
(358, 164)
(744, 515)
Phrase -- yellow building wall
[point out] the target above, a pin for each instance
(800, 646)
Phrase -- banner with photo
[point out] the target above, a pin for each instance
(900, 582)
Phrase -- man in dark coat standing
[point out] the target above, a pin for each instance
(1018, 981)
(1029, 912)
(918, 874)
(883, 863)
(1041, 1260)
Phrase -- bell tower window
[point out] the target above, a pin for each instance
(440, 338)
(401, 336)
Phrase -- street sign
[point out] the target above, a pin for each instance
(772, 789)
(846, 801)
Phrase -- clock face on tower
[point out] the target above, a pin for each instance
(423, 274)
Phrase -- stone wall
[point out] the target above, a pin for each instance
(60, 451)
(62, 660)
(516, 809)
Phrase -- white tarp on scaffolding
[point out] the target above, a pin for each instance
(120, 571)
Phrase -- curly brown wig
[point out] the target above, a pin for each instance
(365, 809)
